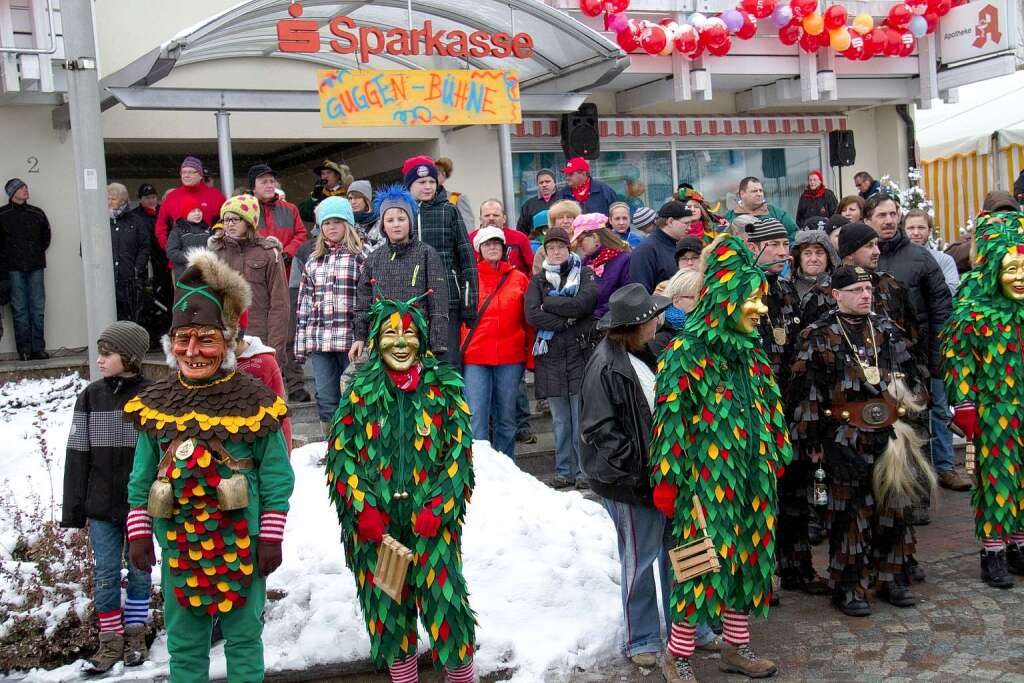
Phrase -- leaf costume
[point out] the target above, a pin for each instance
(405, 452)
(983, 363)
(720, 434)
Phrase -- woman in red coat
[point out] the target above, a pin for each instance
(495, 349)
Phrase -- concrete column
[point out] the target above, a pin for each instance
(508, 192)
(227, 164)
(90, 171)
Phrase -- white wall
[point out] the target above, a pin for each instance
(51, 189)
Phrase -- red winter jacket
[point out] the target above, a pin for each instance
(259, 361)
(518, 251)
(502, 336)
(281, 219)
(209, 199)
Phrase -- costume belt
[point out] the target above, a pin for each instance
(214, 445)
(872, 415)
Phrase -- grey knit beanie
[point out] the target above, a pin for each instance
(127, 339)
(364, 188)
(12, 186)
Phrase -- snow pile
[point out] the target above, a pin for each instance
(542, 568)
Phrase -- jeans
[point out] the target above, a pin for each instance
(28, 299)
(565, 419)
(942, 440)
(109, 552)
(522, 409)
(643, 538)
(453, 355)
(491, 393)
(327, 369)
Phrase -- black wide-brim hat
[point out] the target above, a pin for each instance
(632, 305)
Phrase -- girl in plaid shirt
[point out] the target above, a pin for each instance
(327, 299)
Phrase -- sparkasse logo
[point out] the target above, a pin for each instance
(303, 35)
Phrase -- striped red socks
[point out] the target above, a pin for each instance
(464, 674)
(993, 545)
(111, 621)
(1018, 538)
(736, 628)
(682, 639)
(404, 670)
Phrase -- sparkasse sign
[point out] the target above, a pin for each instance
(974, 30)
(303, 35)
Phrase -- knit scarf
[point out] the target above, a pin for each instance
(553, 274)
(815, 194)
(116, 213)
(601, 259)
(676, 317)
(582, 191)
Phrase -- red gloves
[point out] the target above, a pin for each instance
(965, 417)
(370, 525)
(268, 556)
(427, 523)
(141, 553)
(665, 498)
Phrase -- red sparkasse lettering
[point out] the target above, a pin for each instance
(432, 41)
(336, 29)
(502, 45)
(457, 44)
(479, 44)
(397, 42)
(365, 50)
(522, 45)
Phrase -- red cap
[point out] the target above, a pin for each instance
(414, 162)
(821, 178)
(576, 164)
(188, 204)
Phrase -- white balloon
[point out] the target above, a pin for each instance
(698, 20)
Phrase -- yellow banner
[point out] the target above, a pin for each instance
(418, 98)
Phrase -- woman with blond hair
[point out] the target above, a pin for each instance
(683, 290)
(561, 214)
(606, 254)
(327, 298)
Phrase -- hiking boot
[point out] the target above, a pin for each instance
(648, 660)
(915, 571)
(741, 660)
(39, 355)
(994, 570)
(582, 484)
(712, 645)
(951, 479)
(561, 483)
(109, 653)
(135, 650)
(851, 603)
(526, 436)
(299, 396)
(897, 594)
(812, 585)
(677, 669)
(1014, 558)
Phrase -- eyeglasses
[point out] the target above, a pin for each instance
(231, 220)
(689, 259)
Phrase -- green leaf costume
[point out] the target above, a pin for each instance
(399, 452)
(983, 363)
(720, 433)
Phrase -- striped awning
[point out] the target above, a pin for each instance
(676, 126)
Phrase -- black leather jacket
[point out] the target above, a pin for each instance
(615, 426)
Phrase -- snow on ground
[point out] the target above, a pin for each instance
(541, 565)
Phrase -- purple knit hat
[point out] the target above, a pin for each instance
(193, 163)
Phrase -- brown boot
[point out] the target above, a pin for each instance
(677, 669)
(740, 660)
(951, 479)
(135, 650)
(110, 652)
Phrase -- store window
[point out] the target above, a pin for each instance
(717, 172)
(641, 178)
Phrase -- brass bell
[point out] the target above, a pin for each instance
(845, 415)
(901, 411)
(828, 413)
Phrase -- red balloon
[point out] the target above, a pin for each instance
(809, 43)
(748, 29)
(899, 16)
(759, 8)
(835, 16)
(892, 42)
(824, 39)
(721, 49)
(906, 44)
(654, 40)
(939, 7)
(856, 46)
(917, 6)
(714, 34)
(932, 18)
(790, 34)
(592, 7)
(875, 39)
(615, 6)
(626, 40)
(801, 8)
(687, 40)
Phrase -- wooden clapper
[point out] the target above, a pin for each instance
(393, 560)
(698, 556)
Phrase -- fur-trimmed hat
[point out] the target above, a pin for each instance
(210, 292)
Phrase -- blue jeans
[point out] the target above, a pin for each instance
(942, 440)
(565, 419)
(643, 538)
(522, 410)
(110, 553)
(491, 392)
(28, 299)
(327, 369)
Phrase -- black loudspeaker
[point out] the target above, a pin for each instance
(841, 150)
(580, 137)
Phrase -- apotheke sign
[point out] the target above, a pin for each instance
(974, 30)
(303, 35)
